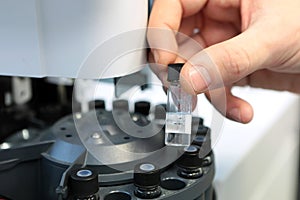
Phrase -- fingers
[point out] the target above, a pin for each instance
(186, 50)
(230, 106)
(224, 11)
(215, 32)
(225, 63)
(164, 20)
(238, 109)
(164, 23)
(159, 70)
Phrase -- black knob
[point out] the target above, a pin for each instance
(146, 175)
(147, 180)
(190, 158)
(189, 163)
(142, 107)
(84, 184)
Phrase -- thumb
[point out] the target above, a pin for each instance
(224, 63)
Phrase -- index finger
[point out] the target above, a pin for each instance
(164, 22)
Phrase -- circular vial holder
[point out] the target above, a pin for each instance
(147, 180)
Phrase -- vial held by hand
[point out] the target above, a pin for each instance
(179, 110)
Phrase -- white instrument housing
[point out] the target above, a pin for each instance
(56, 38)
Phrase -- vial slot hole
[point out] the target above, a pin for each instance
(117, 196)
(173, 184)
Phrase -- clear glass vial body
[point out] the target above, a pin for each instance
(179, 116)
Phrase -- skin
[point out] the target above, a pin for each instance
(247, 42)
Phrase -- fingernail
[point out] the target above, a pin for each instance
(235, 114)
(200, 78)
(156, 56)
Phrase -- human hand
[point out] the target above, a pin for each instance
(247, 42)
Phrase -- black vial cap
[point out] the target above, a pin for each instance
(190, 158)
(83, 182)
(174, 71)
(146, 175)
(142, 107)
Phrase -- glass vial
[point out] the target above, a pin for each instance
(179, 110)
